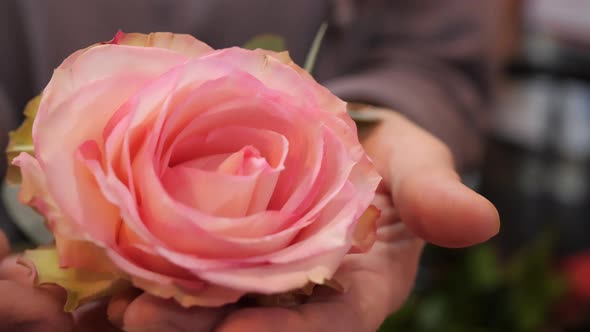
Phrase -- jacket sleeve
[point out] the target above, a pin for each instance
(15, 68)
(428, 59)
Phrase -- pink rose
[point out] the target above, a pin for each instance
(198, 174)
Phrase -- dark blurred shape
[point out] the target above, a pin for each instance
(537, 168)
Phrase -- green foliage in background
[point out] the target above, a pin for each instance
(266, 42)
(272, 42)
(473, 290)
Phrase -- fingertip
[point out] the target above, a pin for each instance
(118, 305)
(11, 269)
(444, 212)
(37, 308)
(116, 312)
(476, 220)
(139, 314)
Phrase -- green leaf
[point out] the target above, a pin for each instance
(21, 140)
(315, 48)
(268, 42)
(81, 286)
(483, 268)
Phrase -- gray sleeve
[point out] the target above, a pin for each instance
(15, 72)
(430, 60)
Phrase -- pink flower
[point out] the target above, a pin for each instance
(198, 174)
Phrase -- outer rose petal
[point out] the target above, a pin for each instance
(33, 191)
(101, 62)
(210, 295)
(181, 46)
(79, 253)
(184, 44)
(58, 130)
(186, 292)
(327, 100)
(278, 278)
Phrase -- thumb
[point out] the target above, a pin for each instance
(418, 170)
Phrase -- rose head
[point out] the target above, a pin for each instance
(197, 174)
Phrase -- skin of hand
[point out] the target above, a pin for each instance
(420, 187)
(25, 308)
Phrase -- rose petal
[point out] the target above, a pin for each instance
(203, 113)
(58, 130)
(209, 295)
(278, 278)
(208, 191)
(101, 62)
(33, 190)
(365, 232)
(181, 43)
(82, 254)
(276, 72)
(165, 162)
(148, 113)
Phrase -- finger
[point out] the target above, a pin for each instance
(313, 317)
(24, 308)
(426, 190)
(93, 318)
(11, 269)
(119, 304)
(148, 313)
(4, 245)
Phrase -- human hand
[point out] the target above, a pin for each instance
(25, 308)
(420, 187)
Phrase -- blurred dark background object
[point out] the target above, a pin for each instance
(537, 167)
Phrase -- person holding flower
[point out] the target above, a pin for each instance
(422, 69)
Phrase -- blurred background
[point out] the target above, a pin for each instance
(534, 276)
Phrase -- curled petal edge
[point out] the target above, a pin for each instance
(365, 232)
